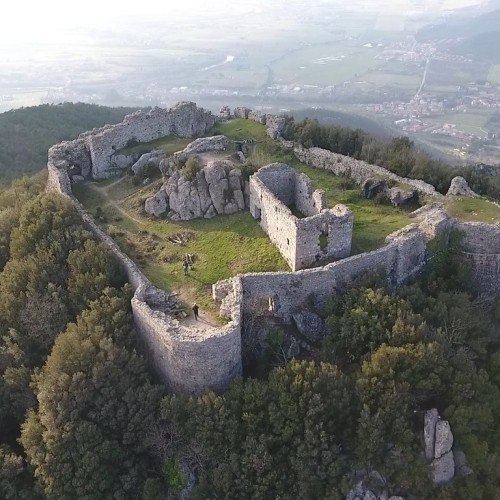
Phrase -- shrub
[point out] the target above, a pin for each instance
(191, 168)
(381, 199)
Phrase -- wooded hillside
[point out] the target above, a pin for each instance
(26, 134)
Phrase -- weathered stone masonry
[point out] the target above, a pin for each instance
(191, 360)
(93, 153)
(276, 187)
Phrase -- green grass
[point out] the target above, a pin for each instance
(372, 222)
(474, 210)
(473, 123)
(239, 130)
(167, 144)
(222, 246)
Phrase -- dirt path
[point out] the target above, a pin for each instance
(103, 191)
(205, 320)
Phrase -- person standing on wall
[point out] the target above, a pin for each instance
(195, 309)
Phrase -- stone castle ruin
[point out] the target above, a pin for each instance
(192, 360)
(322, 234)
(94, 155)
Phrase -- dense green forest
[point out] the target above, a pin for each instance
(81, 416)
(26, 134)
(399, 155)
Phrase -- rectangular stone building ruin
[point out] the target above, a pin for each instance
(297, 219)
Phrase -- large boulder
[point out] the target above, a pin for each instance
(371, 187)
(138, 166)
(443, 468)
(430, 420)
(156, 205)
(215, 189)
(400, 197)
(309, 325)
(459, 187)
(443, 440)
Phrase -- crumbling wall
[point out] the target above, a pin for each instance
(276, 219)
(93, 153)
(323, 234)
(188, 359)
(308, 201)
(288, 292)
(357, 170)
(185, 119)
(481, 245)
(333, 226)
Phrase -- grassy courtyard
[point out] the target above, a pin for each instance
(224, 245)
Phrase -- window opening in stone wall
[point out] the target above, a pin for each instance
(323, 240)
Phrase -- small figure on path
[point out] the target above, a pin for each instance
(195, 309)
(185, 266)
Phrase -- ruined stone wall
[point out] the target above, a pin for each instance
(183, 120)
(301, 241)
(289, 292)
(189, 360)
(308, 201)
(335, 225)
(276, 219)
(357, 170)
(481, 243)
(93, 153)
(279, 179)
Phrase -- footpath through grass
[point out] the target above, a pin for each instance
(222, 246)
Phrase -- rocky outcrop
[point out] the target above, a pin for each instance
(438, 438)
(371, 187)
(154, 158)
(309, 325)
(459, 187)
(370, 486)
(156, 205)
(400, 197)
(216, 189)
(215, 143)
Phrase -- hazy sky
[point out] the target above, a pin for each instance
(52, 20)
(37, 19)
